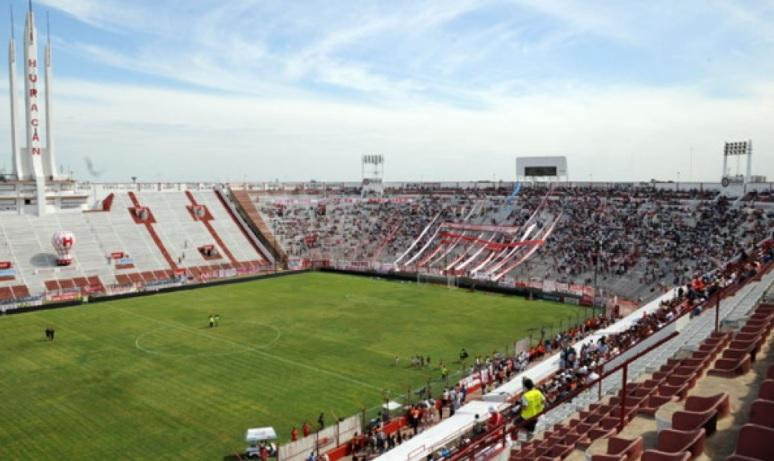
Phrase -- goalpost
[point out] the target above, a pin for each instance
(451, 280)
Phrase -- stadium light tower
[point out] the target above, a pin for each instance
(737, 149)
(372, 172)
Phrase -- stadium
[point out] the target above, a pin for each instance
(530, 318)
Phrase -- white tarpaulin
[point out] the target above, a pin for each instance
(258, 434)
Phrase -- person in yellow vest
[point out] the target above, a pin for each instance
(532, 404)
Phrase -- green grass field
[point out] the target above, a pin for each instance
(145, 378)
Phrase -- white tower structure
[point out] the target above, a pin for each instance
(32, 162)
(16, 161)
(50, 164)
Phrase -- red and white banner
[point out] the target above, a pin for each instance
(489, 244)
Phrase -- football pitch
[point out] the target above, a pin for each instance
(147, 378)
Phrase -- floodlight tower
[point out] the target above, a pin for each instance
(737, 149)
(372, 172)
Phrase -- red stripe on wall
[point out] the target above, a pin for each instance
(212, 231)
(154, 235)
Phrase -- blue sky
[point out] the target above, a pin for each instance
(296, 90)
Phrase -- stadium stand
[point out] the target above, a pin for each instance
(640, 241)
(133, 238)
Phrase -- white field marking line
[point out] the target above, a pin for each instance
(181, 354)
(277, 336)
(256, 350)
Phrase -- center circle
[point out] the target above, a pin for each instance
(224, 339)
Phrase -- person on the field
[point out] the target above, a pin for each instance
(306, 429)
(217, 319)
(212, 320)
(293, 434)
(463, 355)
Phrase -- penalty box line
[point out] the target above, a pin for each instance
(255, 350)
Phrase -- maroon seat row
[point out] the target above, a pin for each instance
(675, 379)
(697, 420)
(755, 441)
(738, 357)
(672, 382)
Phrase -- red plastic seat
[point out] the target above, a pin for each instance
(698, 364)
(750, 335)
(762, 413)
(738, 354)
(717, 338)
(600, 408)
(767, 390)
(523, 455)
(655, 455)
(703, 354)
(570, 439)
(754, 443)
(770, 373)
(682, 376)
(607, 427)
(559, 451)
(672, 363)
(581, 428)
(668, 390)
(712, 349)
(604, 457)
(720, 402)
(631, 449)
(548, 458)
(675, 441)
(590, 418)
(692, 420)
(760, 317)
(652, 405)
(719, 334)
(661, 376)
(730, 368)
(640, 392)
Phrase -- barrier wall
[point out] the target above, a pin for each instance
(325, 440)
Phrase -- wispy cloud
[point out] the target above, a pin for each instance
(109, 14)
(296, 90)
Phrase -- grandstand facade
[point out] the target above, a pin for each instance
(129, 238)
(617, 242)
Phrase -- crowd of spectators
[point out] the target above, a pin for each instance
(637, 241)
